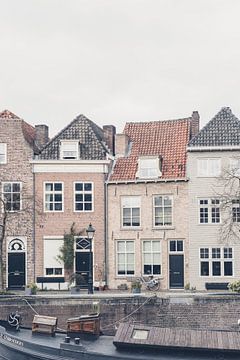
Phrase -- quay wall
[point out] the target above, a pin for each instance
(195, 312)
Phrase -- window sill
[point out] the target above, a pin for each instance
(134, 228)
(163, 228)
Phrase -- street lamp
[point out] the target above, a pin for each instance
(90, 234)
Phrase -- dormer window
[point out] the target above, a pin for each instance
(69, 149)
(148, 167)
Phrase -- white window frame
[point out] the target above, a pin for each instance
(127, 202)
(53, 192)
(219, 256)
(83, 192)
(125, 253)
(176, 250)
(205, 167)
(163, 196)
(209, 206)
(236, 211)
(152, 252)
(148, 167)
(3, 153)
(20, 193)
(72, 146)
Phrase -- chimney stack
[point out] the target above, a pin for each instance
(109, 136)
(41, 135)
(194, 124)
(122, 145)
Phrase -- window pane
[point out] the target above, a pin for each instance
(228, 271)
(172, 245)
(88, 187)
(121, 246)
(216, 268)
(49, 187)
(78, 186)
(130, 246)
(16, 187)
(158, 200)
(147, 246)
(88, 207)
(179, 245)
(156, 269)
(58, 187)
(204, 268)
(156, 245)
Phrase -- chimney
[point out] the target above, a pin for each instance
(109, 136)
(121, 145)
(194, 124)
(42, 138)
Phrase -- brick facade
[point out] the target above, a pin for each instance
(18, 169)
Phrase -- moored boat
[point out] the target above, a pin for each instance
(132, 341)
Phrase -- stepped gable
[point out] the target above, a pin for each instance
(167, 139)
(222, 130)
(27, 129)
(90, 136)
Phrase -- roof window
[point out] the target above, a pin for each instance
(148, 167)
(69, 149)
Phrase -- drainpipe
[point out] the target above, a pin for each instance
(106, 231)
(34, 233)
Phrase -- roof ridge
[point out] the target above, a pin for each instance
(6, 114)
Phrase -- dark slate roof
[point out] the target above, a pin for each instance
(90, 136)
(222, 130)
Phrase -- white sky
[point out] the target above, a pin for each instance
(118, 60)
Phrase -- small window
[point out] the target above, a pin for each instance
(208, 167)
(53, 196)
(176, 246)
(131, 211)
(83, 196)
(69, 150)
(12, 196)
(125, 257)
(162, 210)
(140, 334)
(3, 153)
(148, 167)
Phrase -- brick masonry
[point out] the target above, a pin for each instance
(219, 312)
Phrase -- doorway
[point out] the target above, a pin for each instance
(16, 264)
(176, 264)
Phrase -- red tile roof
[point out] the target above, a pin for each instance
(167, 139)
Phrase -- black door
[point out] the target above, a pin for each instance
(16, 270)
(82, 268)
(176, 269)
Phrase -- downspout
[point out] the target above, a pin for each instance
(34, 222)
(106, 231)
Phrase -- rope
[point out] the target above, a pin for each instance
(30, 306)
(126, 317)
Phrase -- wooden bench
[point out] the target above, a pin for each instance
(51, 279)
(216, 285)
(44, 324)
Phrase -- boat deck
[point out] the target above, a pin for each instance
(42, 346)
(156, 337)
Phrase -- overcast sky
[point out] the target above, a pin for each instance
(118, 60)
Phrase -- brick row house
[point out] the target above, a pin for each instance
(148, 203)
(19, 141)
(69, 181)
(161, 196)
(214, 217)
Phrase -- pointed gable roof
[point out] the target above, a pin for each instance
(223, 130)
(28, 130)
(89, 135)
(166, 139)
(6, 114)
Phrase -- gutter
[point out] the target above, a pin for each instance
(109, 182)
(213, 148)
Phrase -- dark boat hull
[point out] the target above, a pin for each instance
(24, 345)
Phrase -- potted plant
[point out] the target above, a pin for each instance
(31, 289)
(136, 286)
